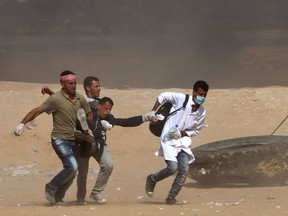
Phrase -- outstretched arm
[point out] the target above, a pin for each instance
(32, 115)
(125, 122)
(134, 121)
(29, 117)
(156, 105)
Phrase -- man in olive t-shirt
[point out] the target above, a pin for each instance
(63, 105)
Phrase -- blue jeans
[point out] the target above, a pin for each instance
(181, 166)
(63, 180)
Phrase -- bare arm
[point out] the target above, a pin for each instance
(46, 90)
(32, 115)
(29, 117)
(156, 105)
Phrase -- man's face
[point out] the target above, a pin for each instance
(69, 86)
(200, 92)
(199, 96)
(104, 109)
(94, 89)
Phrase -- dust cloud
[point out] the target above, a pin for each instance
(145, 43)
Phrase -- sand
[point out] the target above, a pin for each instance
(28, 162)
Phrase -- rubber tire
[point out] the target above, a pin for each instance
(257, 160)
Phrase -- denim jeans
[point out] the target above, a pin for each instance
(104, 159)
(63, 180)
(181, 166)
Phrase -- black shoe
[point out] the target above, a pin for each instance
(172, 201)
(150, 185)
(81, 201)
(50, 194)
(61, 203)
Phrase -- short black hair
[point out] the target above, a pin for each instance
(66, 72)
(106, 99)
(201, 84)
(88, 81)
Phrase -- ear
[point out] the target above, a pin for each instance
(87, 88)
(62, 84)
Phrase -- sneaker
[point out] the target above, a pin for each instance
(81, 116)
(98, 198)
(81, 201)
(50, 194)
(150, 185)
(173, 201)
(61, 203)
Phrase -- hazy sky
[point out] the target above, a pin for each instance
(145, 43)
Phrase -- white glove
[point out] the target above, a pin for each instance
(19, 129)
(148, 116)
(174, 134)
(106, 125)
(160, 117)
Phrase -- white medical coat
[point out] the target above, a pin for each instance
(188, 121)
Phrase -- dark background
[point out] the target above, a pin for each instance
(146, 43)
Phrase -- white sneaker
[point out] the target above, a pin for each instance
(81, 116)
(98, 198)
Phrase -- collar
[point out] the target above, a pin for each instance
(68, 98)
(90, 99)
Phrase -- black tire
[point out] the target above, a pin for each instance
(258, 160)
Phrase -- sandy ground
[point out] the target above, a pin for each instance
(28, 162)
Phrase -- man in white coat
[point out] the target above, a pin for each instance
(175, 139)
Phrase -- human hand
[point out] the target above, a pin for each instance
(46, 90)
(150, 116)
(174, 134)
(19, 129)
(106, 125)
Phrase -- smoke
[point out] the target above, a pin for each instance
(145, 43)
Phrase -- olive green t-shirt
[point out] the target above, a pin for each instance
(64, 113)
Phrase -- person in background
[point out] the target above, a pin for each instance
(175, 139)
(63, 105)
